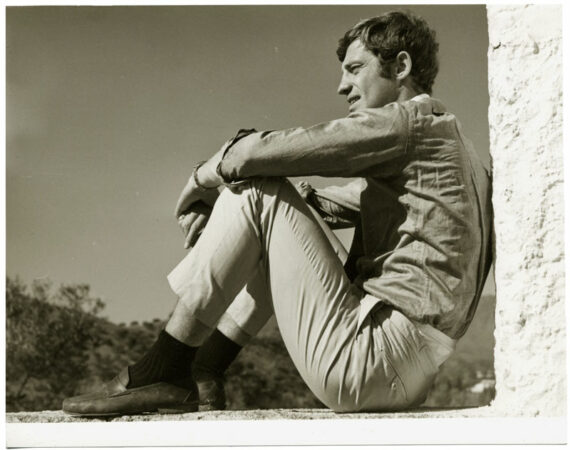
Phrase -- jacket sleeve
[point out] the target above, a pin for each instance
(339, 206)
(349, 147)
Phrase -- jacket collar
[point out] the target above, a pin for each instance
(424, 99)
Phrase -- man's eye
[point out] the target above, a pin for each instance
(355, 69)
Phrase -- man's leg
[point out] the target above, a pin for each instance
(316, 308)
(244, 318)
(249, 312)
(162, 380)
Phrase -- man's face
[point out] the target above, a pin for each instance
(361, 81)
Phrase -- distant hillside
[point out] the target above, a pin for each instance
(478, 342)
(472, 361)
(40, 367)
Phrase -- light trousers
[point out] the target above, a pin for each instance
(262, 253)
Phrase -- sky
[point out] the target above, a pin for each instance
(109, 108)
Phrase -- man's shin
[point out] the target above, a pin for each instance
(184, 326)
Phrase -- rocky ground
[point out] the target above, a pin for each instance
(272, 414)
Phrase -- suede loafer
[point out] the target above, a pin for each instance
(115, 399)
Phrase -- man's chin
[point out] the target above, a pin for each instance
(353, 108)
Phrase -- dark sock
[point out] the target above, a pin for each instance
(215, 356)
(167, 360)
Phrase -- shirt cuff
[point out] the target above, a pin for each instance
(243, 132)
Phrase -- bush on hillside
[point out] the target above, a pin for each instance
(57, 346)
(47, 335)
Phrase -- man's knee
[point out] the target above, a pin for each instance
(268, 185)
(262, 188)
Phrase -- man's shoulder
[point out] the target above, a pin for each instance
(425, 104)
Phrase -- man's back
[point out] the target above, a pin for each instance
(422, 229)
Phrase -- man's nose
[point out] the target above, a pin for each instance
(343, 87)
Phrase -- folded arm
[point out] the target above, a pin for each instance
(347, 147)
(353, 146)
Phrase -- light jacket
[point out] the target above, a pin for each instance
(421, 206)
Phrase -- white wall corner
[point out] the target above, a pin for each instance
(525, 120)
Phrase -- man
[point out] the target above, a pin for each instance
(369, 336)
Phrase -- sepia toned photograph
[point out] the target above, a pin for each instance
(284, 212)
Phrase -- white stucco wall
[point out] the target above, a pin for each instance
(525, 119)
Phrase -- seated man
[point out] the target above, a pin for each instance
(368, 336)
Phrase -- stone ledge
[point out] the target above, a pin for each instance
(258, 414)
(484, 425)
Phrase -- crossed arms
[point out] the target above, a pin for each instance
(354, 146)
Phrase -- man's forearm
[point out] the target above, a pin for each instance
(346, 147)
(210, 176)
(207, 175)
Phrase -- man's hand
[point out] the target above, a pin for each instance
(304, 189)
(193, 221)
(192, 194)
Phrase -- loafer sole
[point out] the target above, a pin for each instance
(182, 409)
(114, 399)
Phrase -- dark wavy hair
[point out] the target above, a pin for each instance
(387, 35)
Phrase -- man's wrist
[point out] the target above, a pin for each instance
(225, 177)
(201, 187)
(204, 177)
(208, 174)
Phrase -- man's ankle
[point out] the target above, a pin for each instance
(167, 360)
(214, 357)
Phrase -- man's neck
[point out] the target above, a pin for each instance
(407, 91)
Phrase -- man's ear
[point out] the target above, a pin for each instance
(403, 65)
